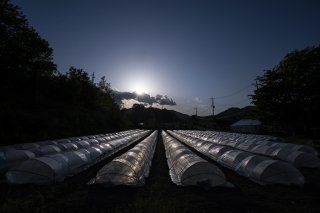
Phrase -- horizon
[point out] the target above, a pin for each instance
(186, 50)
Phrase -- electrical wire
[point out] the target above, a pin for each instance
(235, 103)
(205, 110)
(234, 93)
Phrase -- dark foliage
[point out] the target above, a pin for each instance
(37, 102)
(140, 116)
(290, 92)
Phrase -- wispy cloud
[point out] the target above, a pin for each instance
(197, 99)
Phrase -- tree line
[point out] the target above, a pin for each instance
(37, 101)
(290, 92)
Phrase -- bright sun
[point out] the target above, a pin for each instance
(140, 82)
(139, 89)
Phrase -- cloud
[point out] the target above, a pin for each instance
(122, 97)
(128, 103)
(197, 99)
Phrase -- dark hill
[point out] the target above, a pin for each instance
(234, 114)
(139, 116)
(180, 115)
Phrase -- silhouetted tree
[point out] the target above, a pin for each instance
(290, 92)
(25, 58)
(104, 86)
(78, 75)
(39, 103)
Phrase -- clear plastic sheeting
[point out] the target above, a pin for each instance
(67, 146)
(131, 168)
(42, 143)
(44, 148)
(104, 137)
(40, 169)
(55, 167)
(82, 144)
(186, 168)
(297, 158)
(27, 146)
(104, 147)
(260, 169)
(297, 155)
(12, 158)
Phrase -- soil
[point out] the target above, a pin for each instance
(159, 194)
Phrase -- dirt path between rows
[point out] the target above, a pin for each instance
(161, 195)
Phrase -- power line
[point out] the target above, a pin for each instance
(205, 110)
(219, 97)
(234, 103)
(234, 93)
(187, 110)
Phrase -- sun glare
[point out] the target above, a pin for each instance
(139, 90)
(140, 81)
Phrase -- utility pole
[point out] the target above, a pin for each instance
(92, 78)
(212, 105)
(196, 108)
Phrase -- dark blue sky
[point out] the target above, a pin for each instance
(188, 50)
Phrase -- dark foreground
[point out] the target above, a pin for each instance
(161, 195)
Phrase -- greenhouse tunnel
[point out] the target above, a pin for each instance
(297, 155)
(12, 155)
(56, 167)
(186, 168)
(11, 158)
(131, 168)
(260, 169)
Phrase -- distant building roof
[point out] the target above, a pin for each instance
(247, 122)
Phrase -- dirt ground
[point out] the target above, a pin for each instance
(160, 195)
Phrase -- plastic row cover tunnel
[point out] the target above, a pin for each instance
(56, 167)
(260, 169)
(29, 146)
(11, 156)
(298, 155)
(131, 168)
(186, 168)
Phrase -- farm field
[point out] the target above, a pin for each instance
(159, 194)
(160, 106)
